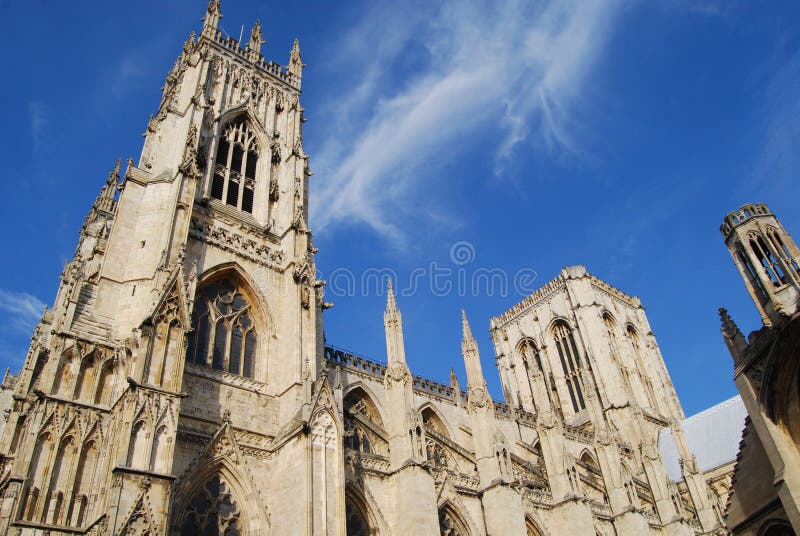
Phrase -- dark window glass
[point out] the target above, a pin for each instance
(220, 345)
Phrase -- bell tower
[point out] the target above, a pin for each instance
(186, 331)
(767, 258)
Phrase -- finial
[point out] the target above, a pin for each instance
(254, 46)
(213, 14)
(391, 304)
(453, 377)
(729, 327)
(113, 176)
(296, 60)
(465, 327)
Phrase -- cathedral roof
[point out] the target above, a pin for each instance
(712, 435)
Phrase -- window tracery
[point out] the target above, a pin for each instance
(570, 364)
(636, 346)
(235, 166)
(212, 512)
(361, 418)
(355, 521)
(224, 335)
(450, 524)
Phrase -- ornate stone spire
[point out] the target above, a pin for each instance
(105, 199)
(256, 40)
(213, 14)
(296, 61)
(734, 339)
(472, 358)
(393, 322)
(391, 304)
(454, 380)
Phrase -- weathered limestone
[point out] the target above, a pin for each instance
(181, 383)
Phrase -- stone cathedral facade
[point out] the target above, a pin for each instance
(181, 384)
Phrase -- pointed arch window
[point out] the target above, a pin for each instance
(362, 424)
(642, 366)
(751, 271)
(767, 259)
(235, 166)
(570, 364)
(783, 251)
(224, 335)
(212, 510)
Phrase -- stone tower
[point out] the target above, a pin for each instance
(766, 257)
(178, 359)
(766, 368)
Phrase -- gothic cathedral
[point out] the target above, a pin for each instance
(180, 384)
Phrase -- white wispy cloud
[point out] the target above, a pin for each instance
(21, 310)
(465, 68)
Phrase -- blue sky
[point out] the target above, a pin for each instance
(614, 134)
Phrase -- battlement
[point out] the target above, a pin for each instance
(349, 360)
(556, 284)
(744, 214)
(232, 45)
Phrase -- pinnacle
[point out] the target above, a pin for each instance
(729, 327)
(465, 327)
(113, 176)
(391, 304)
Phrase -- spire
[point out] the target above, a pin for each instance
(454, 380)
(256, 40)
(733, 337)
(393, 322)
(105, 199)
(468, 341)
(296, 61)
(211, 19)
(391, 304)
(472, 358)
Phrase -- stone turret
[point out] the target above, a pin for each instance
(767, 258)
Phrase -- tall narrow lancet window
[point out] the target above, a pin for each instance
(570, 364)
(768, 262)
(235, 166)
(223, 334)
(751, 271)
(642, 365)
(783, 251)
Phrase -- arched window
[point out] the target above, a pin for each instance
(450, 523)
(776, 528)
(235, 166)
(362, 424)
(570, 364)
(530, 356)
(751, 271)
(224, 335)
(642, 365)
(783, 251)
(212, 510)
(358, 521)
(768, 262)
